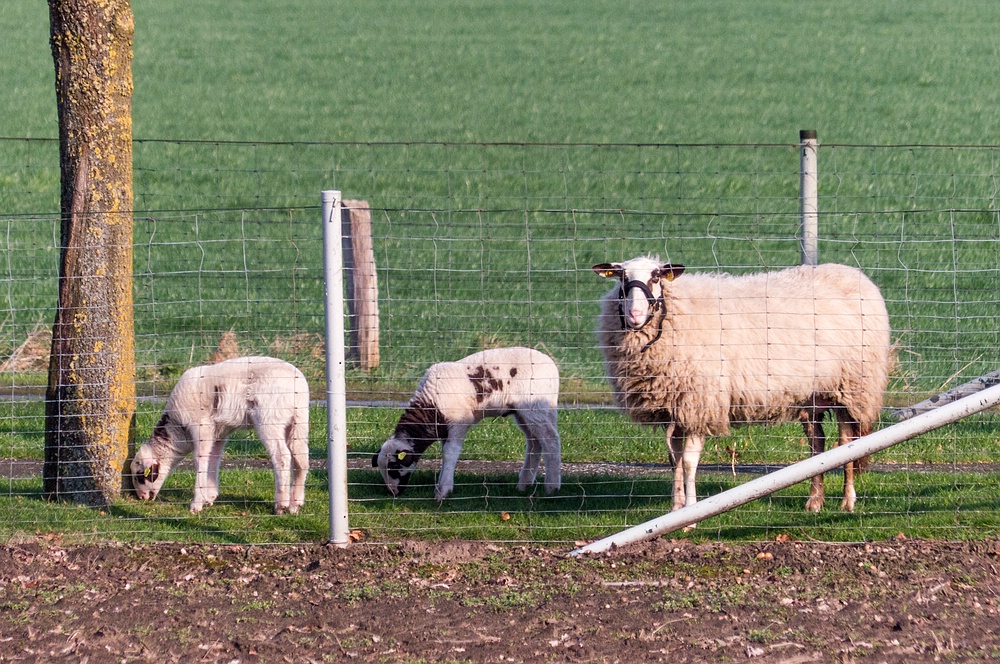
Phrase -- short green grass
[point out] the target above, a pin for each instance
(905, 495)
(949, 505)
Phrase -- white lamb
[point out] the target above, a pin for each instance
(207, 405)
(454, 396)
(700, 352)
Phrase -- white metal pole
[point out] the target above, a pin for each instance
(336, 379)
(800, 471)
(809, 174)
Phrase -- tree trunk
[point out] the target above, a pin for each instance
(90, 402)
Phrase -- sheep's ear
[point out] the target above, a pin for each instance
(375, 460)
(151, 472)
(608, 269)
(669, 272)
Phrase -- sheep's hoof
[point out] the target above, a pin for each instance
(688, 529)
(814, 504)
(847, 505)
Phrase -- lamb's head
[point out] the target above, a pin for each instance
(146, 476)
(155, 459)
(396, 461)
(641, 287)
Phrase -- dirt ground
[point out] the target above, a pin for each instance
(666, 600)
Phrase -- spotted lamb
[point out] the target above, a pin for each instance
(454, 396)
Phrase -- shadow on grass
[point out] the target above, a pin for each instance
(487, 506)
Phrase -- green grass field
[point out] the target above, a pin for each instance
(504, 149)
(563, 71)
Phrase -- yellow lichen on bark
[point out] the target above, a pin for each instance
(91, 396)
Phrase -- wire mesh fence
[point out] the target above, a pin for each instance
(481, 246)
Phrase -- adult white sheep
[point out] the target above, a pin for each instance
(209, 403)
(703, 351)
(454, 396)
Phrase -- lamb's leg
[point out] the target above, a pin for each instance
(297, 439)
(532, 453)
(207, 461)
(812, 426)
(532, 459)
(552, 453)
(450, 451)
(273, 437)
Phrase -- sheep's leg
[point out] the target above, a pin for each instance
(693, 446)
(450, 451)
(675, 443)
(848, 432)
(273, 437)
(812, 426)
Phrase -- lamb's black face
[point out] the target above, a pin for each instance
(396, 461)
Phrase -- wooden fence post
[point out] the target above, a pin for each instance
(361, 284)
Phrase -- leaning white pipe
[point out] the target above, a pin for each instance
(336, 374)
(800, 471)
(954, 394)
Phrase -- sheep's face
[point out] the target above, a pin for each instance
(396, 461)
(146, 476)
(641, 290)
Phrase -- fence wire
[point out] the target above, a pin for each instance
(479, 246)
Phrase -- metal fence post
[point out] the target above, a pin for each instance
(809, 181)
(336, 379)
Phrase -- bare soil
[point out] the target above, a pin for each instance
(666, 600)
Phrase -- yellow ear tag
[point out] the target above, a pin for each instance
(670, 276)
(148, 471)
(401, 456)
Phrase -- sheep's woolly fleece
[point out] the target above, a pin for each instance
(750, 348)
